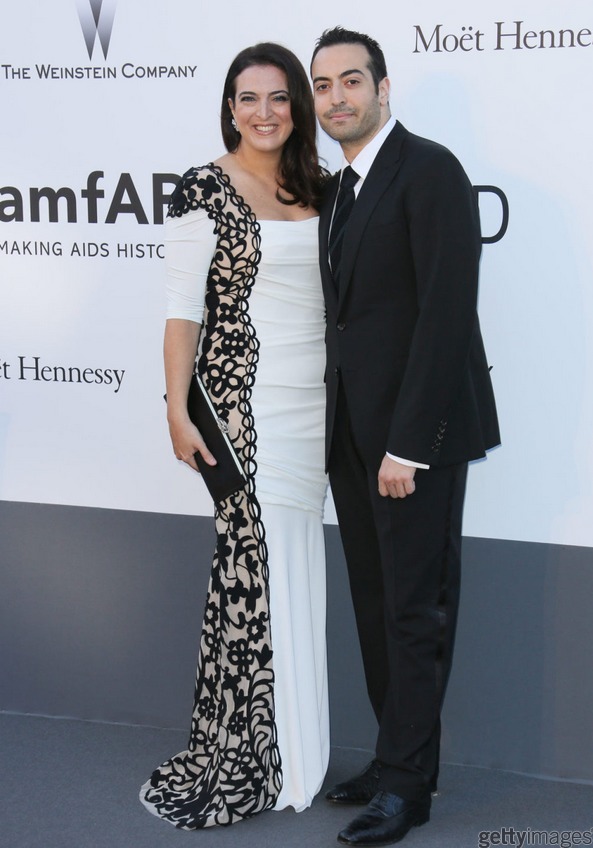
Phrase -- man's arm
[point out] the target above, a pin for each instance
(445, 243)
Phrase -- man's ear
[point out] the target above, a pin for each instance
(384, 90)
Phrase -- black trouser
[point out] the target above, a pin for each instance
(404, 563)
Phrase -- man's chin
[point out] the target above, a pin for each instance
(339, 132)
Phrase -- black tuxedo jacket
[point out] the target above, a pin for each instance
(402, 332)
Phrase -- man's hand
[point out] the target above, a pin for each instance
(396, 480)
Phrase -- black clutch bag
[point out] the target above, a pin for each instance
(227, 476)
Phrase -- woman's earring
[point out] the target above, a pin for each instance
(234, 124)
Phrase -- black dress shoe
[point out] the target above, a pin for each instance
(386, 820)
(360, 789)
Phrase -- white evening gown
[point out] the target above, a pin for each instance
(286, 311)
(286, 308)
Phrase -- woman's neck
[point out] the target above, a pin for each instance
(264, 166)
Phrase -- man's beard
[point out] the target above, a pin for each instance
(349, 134)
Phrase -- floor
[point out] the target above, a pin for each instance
(74, 784)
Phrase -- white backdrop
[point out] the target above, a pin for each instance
(512, 107)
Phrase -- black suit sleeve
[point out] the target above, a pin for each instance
(445, 243)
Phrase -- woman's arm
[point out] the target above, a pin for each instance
(181, 343)
(190, 242)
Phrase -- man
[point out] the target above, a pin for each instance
(409, 403)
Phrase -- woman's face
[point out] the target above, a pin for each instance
(261, 108)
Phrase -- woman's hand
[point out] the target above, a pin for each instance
(181, 343)
(187, 441)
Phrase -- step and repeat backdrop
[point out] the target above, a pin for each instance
(105, 102)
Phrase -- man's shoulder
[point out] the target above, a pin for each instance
(427, 155)
(423, 148)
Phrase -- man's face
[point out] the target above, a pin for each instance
(347, 105)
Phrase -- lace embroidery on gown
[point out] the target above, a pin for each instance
(232, 767)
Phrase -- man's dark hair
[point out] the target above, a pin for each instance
(339, 35)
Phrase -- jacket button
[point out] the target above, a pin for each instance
(337, 372)
(341, 327)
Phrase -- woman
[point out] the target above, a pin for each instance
(244, 285)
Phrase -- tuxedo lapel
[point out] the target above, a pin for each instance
(377, 182)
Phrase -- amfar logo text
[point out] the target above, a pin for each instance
(123, 200)
(55, 204)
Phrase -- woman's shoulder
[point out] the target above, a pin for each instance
(200, 187)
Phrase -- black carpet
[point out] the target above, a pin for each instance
(74, 784)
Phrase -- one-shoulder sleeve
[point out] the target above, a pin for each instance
(190, 243)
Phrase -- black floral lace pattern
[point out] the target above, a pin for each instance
(232, 767)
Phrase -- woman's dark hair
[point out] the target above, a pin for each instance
(339, 35)
(300, 176)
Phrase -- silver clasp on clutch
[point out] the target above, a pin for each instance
(222, 425)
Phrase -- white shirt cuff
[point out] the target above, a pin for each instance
(407, 461)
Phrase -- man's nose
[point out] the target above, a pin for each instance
(338, 94)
